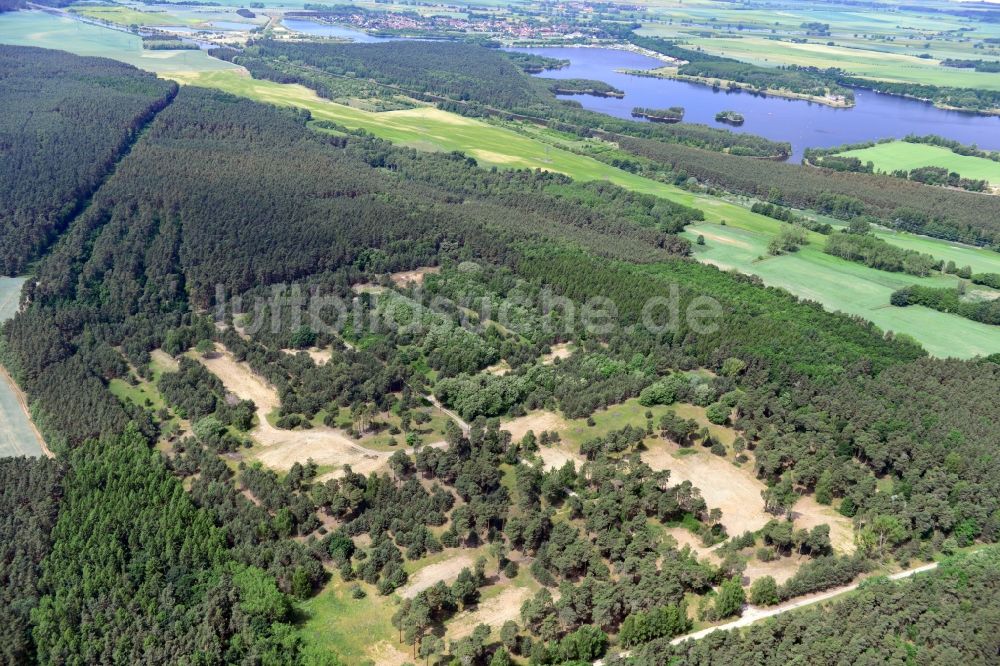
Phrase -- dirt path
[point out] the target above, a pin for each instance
(752, 614)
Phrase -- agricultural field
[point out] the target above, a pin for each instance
(846, 286)
(128, 16)
(18, 436)
(58, 32)
(903, 155)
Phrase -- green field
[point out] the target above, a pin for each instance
(848, 287)
(350, 628)
(128, 16)
(903, 155)
(57, 32)
(17, 437)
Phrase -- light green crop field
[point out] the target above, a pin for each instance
(846, 286)
(128, 16)
(57, 32)
(17, 436)
(904, 155)
(864, 63)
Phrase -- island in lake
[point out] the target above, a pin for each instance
(729, 117)
(674, 114)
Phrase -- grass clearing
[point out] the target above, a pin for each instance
(903, 155)
(358, 630)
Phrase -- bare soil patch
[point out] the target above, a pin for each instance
(446, 570)
(494, 612)
(416, 276)
(385, 653)
(809, 513)
(499, 369)
(555, 457)
(684, 537)
(319, 356)
(283, 448)
(781, 569)
(560, 351)
(536, 422)
(723, 485)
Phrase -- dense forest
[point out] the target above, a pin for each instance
(64, 123)
(908, 205)
(197, 560)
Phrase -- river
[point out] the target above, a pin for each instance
(801, 123)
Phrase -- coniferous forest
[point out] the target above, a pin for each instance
(151, 539)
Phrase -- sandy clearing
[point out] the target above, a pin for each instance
(808, 513)
(560, 351)
(283, 448)
(555, 457)
(319, 356)
(416, 276)
(684, 537)
(537, 422)
(494, 612)
(723, 485)
(499, 369)
(385, 653)
(446, 570)
(781, 569)
(239, 379)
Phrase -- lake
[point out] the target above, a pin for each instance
(803, 124)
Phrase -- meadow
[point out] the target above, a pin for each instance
(903, 155)
(869, 44)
